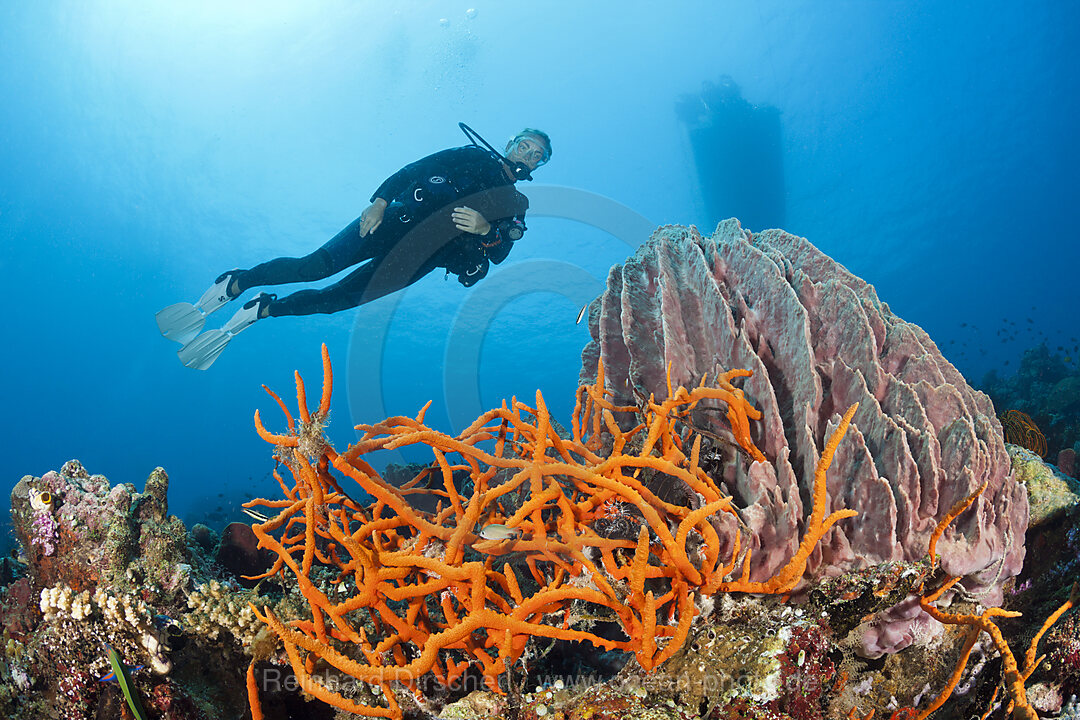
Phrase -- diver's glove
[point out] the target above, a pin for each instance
(473, 275)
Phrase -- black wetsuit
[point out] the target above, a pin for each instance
(416, 235)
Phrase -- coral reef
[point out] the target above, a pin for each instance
(725, 654)
(1047, 389)
(816, 339)
(1053, 563)
(435, 602)
(111, 567)
(126, 538)
(443, 596)
(699, 542)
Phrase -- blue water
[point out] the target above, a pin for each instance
(146, 147)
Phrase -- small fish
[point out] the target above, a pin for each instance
(254, 514)
(121, 675)
(581, 313)
(495, 531)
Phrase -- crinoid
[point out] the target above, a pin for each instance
(1021, 430)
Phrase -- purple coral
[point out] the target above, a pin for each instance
(44, 532)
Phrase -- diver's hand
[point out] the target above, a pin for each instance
(468, 220)
(372, 217)
(475, 274)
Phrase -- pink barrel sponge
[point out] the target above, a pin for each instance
(817, 339)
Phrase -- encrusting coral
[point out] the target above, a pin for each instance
(429, 593)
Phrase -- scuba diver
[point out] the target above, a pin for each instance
(456, 209)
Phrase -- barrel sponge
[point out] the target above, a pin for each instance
(817, 339)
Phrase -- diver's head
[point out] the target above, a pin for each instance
(529, 147)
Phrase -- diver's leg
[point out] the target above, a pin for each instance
(370, 281)
(344, 249)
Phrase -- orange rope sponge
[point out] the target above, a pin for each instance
(511, 550)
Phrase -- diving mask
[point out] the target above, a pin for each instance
(526, 149)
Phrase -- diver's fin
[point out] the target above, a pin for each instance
(218, 293)
(180, 322)
(201, 352)
(183, 321)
